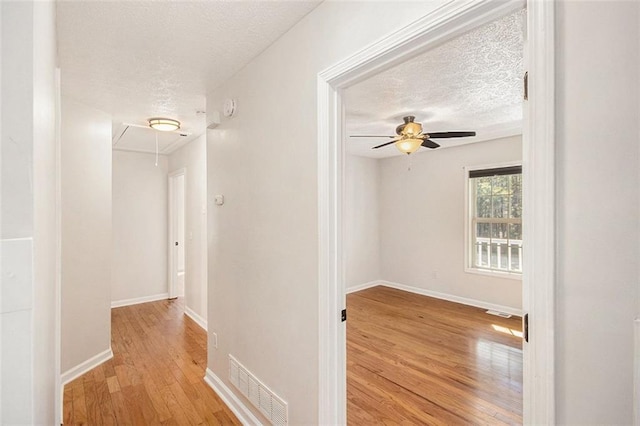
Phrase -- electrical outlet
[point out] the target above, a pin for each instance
(214, 340)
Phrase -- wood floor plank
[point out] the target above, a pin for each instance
(94, 416)
(67, 399)
(418, 360)
(79, 407)
(120, 409)
(113, 384)
(156, 399)
(155, 375)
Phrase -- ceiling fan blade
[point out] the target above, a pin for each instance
(371, 136)
(428, 143)
(450, 134)
(384, 144)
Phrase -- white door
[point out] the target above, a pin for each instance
(176, 233)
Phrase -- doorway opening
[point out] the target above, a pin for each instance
(422, 266)
(176, 233)
(444, 24)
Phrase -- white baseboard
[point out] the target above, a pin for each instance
(452, 298)
(195, 317)
(80, 369)
(242, 412)
(364, 286)
(137, 300)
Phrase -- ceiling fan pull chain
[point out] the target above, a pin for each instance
(409, 167)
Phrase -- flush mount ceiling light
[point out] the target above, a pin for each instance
(164, 124)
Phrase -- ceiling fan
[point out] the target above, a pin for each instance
(410, 136)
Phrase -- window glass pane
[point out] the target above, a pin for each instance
(515, 205)
(501, 206)
(494, 256)
(483, 230)
(503, 256)
(500, 185)
(515, 232)
(483, 206)
(516, 184)
(516, 258)
(482, 254)
(483, 185)
(499, 230)
(496, 246)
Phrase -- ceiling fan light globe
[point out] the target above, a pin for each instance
(408, 146)
(412, 129)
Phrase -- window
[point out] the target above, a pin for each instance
(495, 220)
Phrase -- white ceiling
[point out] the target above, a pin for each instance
(141, 59)
(473, 82)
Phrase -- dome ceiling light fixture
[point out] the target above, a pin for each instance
(164, 124)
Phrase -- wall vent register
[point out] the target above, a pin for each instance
(269, 404)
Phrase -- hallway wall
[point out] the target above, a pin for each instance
(140, 243)
(28, 237)
(193, 157)
(263, 282)
(598, 214)
(86, 227)
(263, 242)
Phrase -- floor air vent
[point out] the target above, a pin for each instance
(499, 314)
(269, 404)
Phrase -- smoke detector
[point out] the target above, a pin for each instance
(229, 107)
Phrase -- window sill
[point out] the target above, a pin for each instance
(494, 274)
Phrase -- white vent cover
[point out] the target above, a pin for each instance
(499, 314)
(269, 404)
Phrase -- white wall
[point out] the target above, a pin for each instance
(597, 193)
(46, 306)
(140, 213)
(361, 222)
(422, 221)
(263, 295)
(193, 157)
(28, 215)
(86, 232)
(263, 243)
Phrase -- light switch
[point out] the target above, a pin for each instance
(219, 199)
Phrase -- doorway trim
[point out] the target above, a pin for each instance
(444, 23)
(172, 259)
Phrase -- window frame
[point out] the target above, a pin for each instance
(469, 222)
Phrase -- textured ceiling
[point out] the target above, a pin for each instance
(473, 82)
(140, 59)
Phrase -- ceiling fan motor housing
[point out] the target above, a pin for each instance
(409, 127)
(407, 119)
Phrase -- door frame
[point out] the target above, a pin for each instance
(171, 252)
(446, 22)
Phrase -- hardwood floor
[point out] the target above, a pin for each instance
(413, 359)
(155, 375)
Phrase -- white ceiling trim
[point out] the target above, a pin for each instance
(140, 151)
